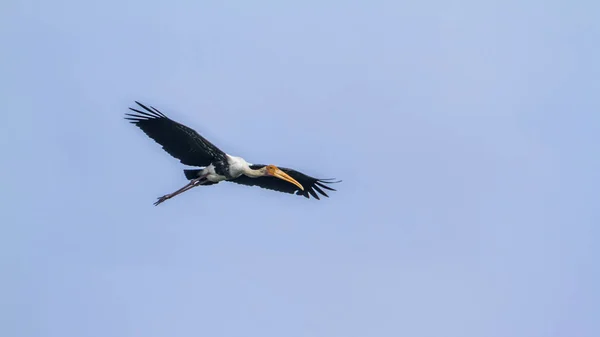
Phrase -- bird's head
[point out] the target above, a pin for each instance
(274, 171)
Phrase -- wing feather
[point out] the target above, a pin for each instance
(311, 185)
(178, 140)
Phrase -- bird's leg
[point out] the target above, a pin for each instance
(193, 183)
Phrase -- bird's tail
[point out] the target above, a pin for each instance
(192, 174)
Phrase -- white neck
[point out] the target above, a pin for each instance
(254, 173)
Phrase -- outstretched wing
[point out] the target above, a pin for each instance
(176, 139)
(309, 183)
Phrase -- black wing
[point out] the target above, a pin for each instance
(309, 183)
(177, 139)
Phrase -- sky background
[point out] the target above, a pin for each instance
(465, 132)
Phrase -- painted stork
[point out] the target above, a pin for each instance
(215, 165)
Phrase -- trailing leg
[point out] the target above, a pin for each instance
(193, 183)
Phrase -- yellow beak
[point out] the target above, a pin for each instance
(284, 176)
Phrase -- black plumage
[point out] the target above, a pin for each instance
(309, 183)
(178, 140)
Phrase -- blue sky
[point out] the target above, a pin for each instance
(466, 134)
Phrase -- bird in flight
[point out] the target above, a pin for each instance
(215, 166)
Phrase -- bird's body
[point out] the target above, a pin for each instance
(230, 168)
(192, 149)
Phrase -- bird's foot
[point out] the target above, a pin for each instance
(162, 199)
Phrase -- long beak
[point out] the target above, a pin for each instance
(284, 176)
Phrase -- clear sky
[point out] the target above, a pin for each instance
(466, 134)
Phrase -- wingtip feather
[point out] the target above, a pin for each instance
(320, 190)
